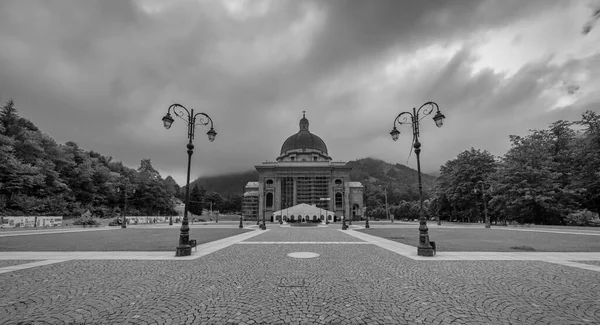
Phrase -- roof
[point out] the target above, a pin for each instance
(303, 209)
(355, 184)
(252, 184)
(303, 140)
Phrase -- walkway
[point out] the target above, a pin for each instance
(247, 279)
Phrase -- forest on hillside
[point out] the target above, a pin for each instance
(41, 177)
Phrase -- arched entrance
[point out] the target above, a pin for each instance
(355, 211)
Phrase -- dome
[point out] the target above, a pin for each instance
(304, 140)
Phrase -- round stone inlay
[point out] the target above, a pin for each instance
(303, 255)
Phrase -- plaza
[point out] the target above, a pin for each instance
(352, 277)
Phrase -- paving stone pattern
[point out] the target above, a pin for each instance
(259, 284)
(597, 263)
(5, 263)
(294, 234)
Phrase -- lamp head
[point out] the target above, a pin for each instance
(395, 134)
(211, 134)
(167, 121)
(439, 119)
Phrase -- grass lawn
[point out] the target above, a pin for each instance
(117, 239)
(491, 240)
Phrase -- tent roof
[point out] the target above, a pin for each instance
(303, 209)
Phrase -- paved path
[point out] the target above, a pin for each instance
(249, 279)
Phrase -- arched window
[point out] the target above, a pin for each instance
(338, 200)
(269, 200)
(338, 181)
(269, 182)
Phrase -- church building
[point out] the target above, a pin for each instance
(303, 184)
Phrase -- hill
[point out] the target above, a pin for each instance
(401, 181)
(226, 184)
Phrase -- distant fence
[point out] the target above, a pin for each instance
(149, 220)
(30, 221)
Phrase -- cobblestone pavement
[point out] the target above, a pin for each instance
(260, 284)
(597, 263)
(5, 263)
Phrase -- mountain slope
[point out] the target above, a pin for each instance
(369, 171)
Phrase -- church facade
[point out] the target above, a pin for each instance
(304, 173)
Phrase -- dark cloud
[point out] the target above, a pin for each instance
(102, 74)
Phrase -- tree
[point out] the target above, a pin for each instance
(9, 119)
(215, 199)
(196, 201)
(532, 183)
(455, 192)
(586, 175)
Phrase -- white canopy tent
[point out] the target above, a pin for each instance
(304, 211)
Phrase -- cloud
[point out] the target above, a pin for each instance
(102, 74)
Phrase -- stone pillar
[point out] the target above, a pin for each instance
(261, 198)
(295, 198)
(277, 195)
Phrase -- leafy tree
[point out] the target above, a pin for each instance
(455, 191)
(586, 175)
(532, 181)
(215, 199)
(196, 201)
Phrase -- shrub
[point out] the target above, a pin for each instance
(116, 222)
(582, 218)
(86, 221)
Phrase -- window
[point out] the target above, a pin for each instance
(338, 181)
(292, 158)
(269, 182)
(314, 158)
(338, 200)
(269, 200)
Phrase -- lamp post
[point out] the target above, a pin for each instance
(264, 224)
(242, 208)
(424, 248)
(263, 207)
(124, 213)
(192, 120)
(487, 218)
(263, 210)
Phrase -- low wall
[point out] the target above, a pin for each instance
(30, 221)
(146, 220)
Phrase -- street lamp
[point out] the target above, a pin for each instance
(124, 213)
(413, 119)
(262, 226)
(192, 120)
(487, 218)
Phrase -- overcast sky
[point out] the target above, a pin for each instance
(103, 73)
